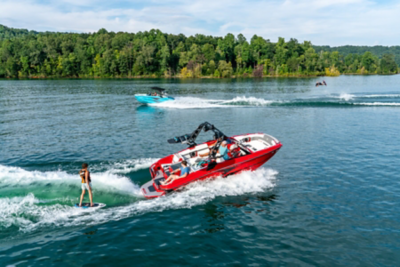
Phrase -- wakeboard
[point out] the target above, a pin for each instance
(87, 205)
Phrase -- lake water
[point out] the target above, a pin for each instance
(330, 196)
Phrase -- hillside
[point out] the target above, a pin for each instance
(359, 50)
(9, 33)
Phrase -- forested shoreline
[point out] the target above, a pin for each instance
(377, 50)
(31, 54)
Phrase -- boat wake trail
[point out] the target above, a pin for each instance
(249, 101)
(124, 166)
(196, 103)
(32, 211)
(332, 100)
(190, 103)
(18, 178)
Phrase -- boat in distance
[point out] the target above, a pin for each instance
(158, 95)
(246, 152)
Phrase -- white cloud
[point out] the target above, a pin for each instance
(332, 22)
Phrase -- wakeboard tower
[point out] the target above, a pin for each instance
(157, 95)
(246, 152)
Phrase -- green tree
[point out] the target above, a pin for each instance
(208, 52)
(11, 67)
(165, 55)
(225, 69)
(226, 47)
(388, 64)
(310, 59)
(368, 61)
(25, 66)
(281, 52)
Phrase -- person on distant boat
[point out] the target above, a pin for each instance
(86, 183)
(185, 170)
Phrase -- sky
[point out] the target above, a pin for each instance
(323, 22)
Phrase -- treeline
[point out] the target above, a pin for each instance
(155, 54)
(378, 50)
(9, 33)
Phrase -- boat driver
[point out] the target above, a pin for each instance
(222, 150)
(214, 143)
(185, 170)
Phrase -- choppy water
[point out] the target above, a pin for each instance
(330, 196)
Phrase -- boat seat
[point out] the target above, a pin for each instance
(191, 161)
(258, 145)
(157, 181)
(190, 155)
(159, 174)
(219, 158)
(176, 158)
(232, 146)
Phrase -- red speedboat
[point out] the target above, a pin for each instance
(245, 152)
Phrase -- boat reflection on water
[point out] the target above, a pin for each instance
(216, 213)
(214, 219)
(148, 117)
(252, 203)
(147, 109)
(149, 114)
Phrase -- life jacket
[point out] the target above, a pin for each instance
(82, 174)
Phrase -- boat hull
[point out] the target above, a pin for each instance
(228, 167)
(146, 99)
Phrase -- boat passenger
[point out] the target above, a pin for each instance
(185, 170)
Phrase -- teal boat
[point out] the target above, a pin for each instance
(158, 95)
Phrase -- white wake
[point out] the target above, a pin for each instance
(111, 179)
(198, 103)
(27, 213)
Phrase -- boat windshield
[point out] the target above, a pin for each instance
(160, 94)
(157, 91)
